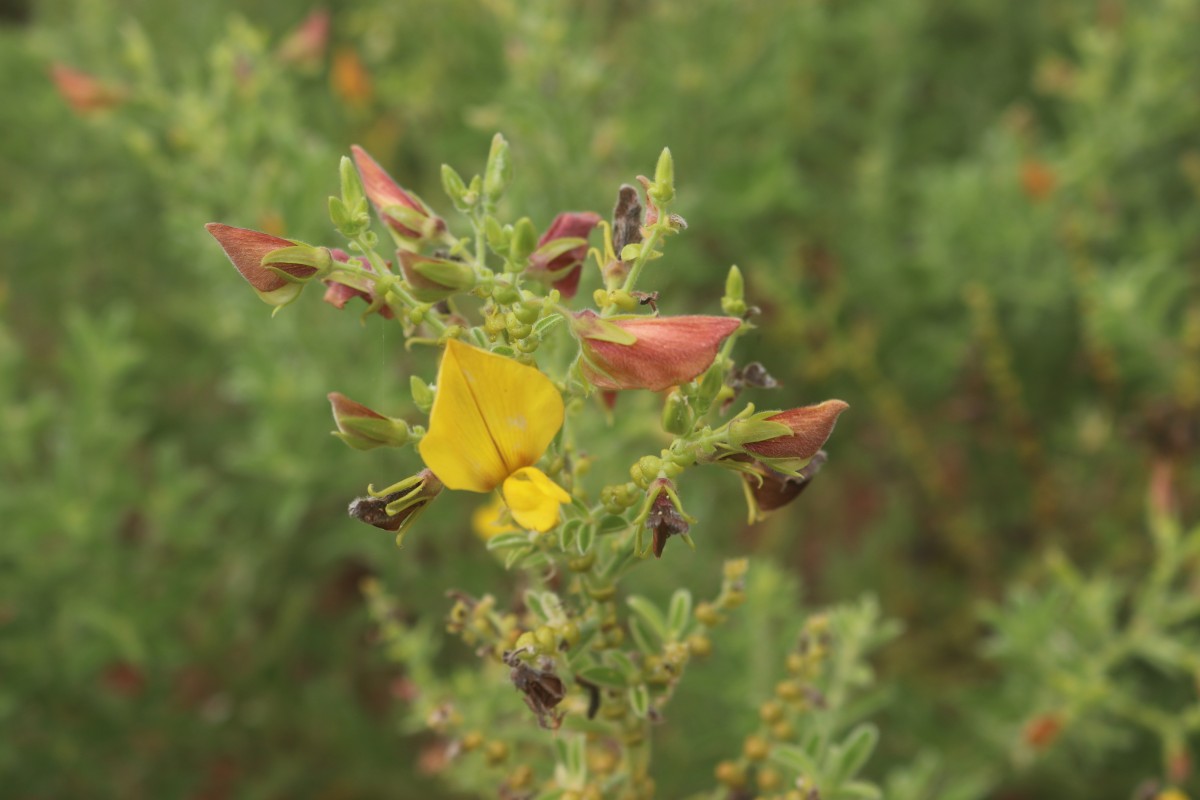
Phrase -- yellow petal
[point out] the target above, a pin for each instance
(534, 499)
(488, 520)
(491, 417)
(459, 447)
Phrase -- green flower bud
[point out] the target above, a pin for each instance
(524, 242)
(677, 415)
(516, 328)
(499, 171)
(734, 301)
(364, 429)
(433, 279)
(422, 393)
(498, 236)
(456, 189)
(352, 188)
(664, 178)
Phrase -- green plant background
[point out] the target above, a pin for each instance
(976, 222)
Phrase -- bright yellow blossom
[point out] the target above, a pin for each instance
(492, 419)
(489, 520)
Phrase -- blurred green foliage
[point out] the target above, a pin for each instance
(976, 222)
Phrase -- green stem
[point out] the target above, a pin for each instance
(635, 272)
(391, 284)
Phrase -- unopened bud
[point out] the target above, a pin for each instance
(677, 415)
(456, 189)
(524, 242)
(734, 301)
(498, 173)
(663, 190)
(364, 429)
(422, 393)
(433, 279)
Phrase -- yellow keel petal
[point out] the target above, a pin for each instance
(488, 520)
(534, 499)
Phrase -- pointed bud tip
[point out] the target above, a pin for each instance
(811, 427)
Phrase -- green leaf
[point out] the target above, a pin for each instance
(506, 541)
(650, 614)
(546, 324)
(612, 524)
(624, 664)
(567, 533)
(679, 614)
(516, 555)
(639, 700)
(604, 676)
(637, 632)
(854, 752)
(858, 790)
(796, 760)
(533, 601)
(576, 761)
(587, 534)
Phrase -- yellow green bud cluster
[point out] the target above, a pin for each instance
(646, 470)
(477, 623)
(620, 497)
(619, 299)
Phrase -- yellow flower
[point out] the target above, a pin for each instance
(487, 520)
(492, 419)
(1171, 794)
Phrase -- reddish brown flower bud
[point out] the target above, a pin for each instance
(810, 427)
(84, 93)
(344, 288)
(402, 211)
(350, 79)
(123, 679)
(550, 262)
(305, 46)
(246, 249)
(648, 352)
(768, 490)
(1037, 180)
(1042, 731)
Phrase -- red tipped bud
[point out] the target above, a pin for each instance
(364, 429)
(279, 280)
(84, 93)
(350, 80)
(559, 256)
(305, 46)
(797, 434)
(648, 352)
(403, 212)
(1042, 731)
